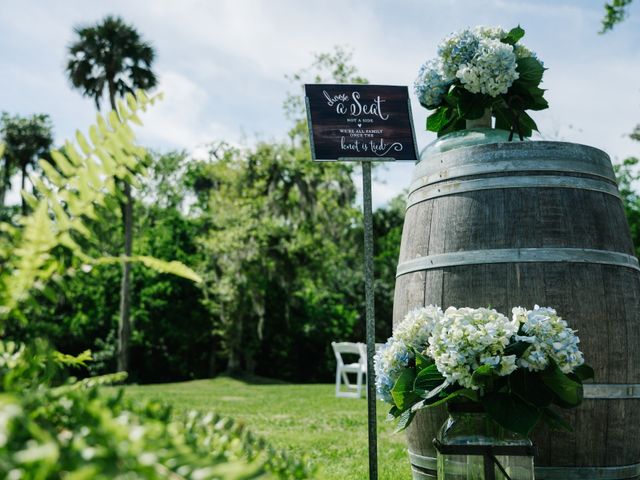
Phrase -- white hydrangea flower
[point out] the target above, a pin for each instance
(495, 33)
(551, 339)
(491, 71)
(519, 315)
(467, 338)
(431, 86)
(507, 365)
(417, 326)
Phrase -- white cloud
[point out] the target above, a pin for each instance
(182, 119)
(222, 63)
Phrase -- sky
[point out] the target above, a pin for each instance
(223, 64)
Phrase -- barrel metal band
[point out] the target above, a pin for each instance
(517, 255)
(445, 173)
(418, 474)
(611, 390)
(466, 449)
(626, 472)
(493, 183)
(422, 467)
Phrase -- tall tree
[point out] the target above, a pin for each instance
(111, 58)
(26, 140)
(277, 249)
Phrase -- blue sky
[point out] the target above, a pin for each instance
(222, 63)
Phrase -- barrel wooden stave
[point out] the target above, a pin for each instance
(601, 301)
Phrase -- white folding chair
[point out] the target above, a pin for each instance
(357, 368)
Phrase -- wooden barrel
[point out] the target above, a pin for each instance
(518, 224)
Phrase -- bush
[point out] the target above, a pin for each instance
(83, 430)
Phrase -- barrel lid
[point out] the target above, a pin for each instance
(466, 138)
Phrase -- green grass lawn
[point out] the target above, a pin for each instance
(302, 419)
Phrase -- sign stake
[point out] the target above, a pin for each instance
(370, 318)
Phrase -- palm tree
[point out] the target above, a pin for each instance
(110, 57)
(26, 139)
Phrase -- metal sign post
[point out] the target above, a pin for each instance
(363, 123)
(370, 318)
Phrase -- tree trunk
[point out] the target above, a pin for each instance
(124, 323)
(23, 173)
(233, 342)
(6, 181)
(124, 326)
(213, 367)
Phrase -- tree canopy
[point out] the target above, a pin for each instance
(110, 57)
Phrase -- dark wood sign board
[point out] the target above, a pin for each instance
(360, 122)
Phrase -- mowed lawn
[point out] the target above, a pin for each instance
(302, 419)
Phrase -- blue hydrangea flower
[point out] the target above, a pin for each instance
(431, 86)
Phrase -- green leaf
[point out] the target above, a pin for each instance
(394, 412)
(453, 125)
(481, 373)
(162, 266)
(555, 421)
(530, 387)
(516, 348)
(404, 420)
(73, 155)
(82, 141)
(95, 135)
(131, 101)
(567, 391)
(511, 412)
(438, 119)
(51, 173)
(30, 199)
(503, 120)
(63, 164)
(73, 361)
(460, 392)
(114, 120)
(436, 391)
(422, 361)
(513, 36)
(530, 71)
(402, 392)
(427, 379)
(527, 124)
(584, 372)
(471, 105)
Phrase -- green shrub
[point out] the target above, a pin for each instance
(83, 430)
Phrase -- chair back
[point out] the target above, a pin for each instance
(346, 348)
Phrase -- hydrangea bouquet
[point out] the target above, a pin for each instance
(479, 69)
(516, 368)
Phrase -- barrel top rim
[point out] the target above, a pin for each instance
(514, 145)
(595, 160)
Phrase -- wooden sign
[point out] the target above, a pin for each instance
(360, 122)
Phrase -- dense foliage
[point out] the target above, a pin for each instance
(25, 139)
(278, 241)
(628, 177)
(78, 430)
(52, 426)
